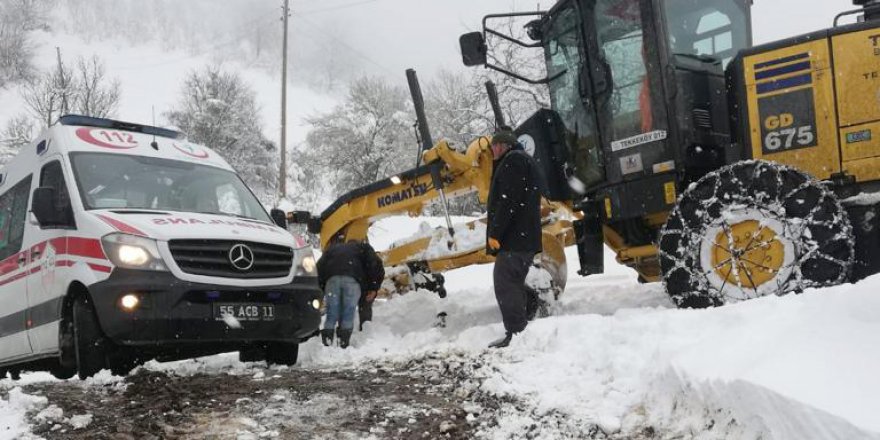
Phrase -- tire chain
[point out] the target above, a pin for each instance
(805, 250)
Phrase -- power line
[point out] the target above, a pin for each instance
(342, 43)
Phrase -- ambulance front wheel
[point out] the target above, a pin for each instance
(282, 353)
(90, 344)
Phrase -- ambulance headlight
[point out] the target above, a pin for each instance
(306, 266)
(132, 255)
(133, 252)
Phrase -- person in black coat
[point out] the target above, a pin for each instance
(345, 271)
(514, 230)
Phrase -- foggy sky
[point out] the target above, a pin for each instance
(389, 36)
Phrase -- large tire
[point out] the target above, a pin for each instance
(549, 273)
(543, 291)
(13, 373)
(281, 353)
(252, 353)
(89, 341)
(730, 219)
(66, 367)
(122, 360)
(546, 278)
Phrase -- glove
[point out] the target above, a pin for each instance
(494, 246)
(370, 295)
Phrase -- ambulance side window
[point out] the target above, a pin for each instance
(52, 176)
(13, 210)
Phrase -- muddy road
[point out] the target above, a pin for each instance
(430, 397)
(265, 403)
(434, 397)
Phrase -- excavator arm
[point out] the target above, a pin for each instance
(409, 192)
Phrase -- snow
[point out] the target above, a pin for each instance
(614, 357)
(618, 355)
(863, 199)
(13, 408)
(615, 353)
(467, 237)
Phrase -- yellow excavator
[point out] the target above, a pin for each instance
(725, 170)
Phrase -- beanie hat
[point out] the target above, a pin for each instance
(504, 137)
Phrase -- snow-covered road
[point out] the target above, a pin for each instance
(614, 361)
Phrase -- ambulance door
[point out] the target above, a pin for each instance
(14, 196)
(46, 287)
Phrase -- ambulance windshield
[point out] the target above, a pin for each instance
(116, 181)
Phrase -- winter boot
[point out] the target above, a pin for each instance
(531, 305)
(327, 337)
(344, 337)
(503, 342)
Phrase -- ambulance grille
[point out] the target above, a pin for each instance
(212, 258)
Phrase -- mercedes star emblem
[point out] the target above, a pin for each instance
(241, 257)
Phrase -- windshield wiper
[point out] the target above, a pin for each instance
(138, 211)
(238, 216)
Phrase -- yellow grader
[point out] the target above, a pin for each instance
(725, 170)
(445, 172)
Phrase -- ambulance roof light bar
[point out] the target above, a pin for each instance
(88, 121)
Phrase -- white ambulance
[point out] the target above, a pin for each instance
(122, 242)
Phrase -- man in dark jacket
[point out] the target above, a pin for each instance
(344, 271)
(514, 229)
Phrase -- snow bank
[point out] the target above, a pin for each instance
(617, 355)
(13, 408)
(793, 367)
(821, 348)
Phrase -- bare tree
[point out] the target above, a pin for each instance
(17, 133)
(365, 138)
(458, 111)
(518, 99)
(15, 55)
(42, 97)
(84, 90)
(95, 94)
(457, 107)
(218, 109)
(17, 19)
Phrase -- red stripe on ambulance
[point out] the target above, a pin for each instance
(121, 226)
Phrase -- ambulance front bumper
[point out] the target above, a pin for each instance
(173, 312)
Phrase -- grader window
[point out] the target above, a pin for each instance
(712, 29)
(622, 50)
(564, 61)
(564, 51)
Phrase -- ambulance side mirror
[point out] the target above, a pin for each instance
(43, 207)
(279, 217)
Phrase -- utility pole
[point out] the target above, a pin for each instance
(282, 175)
(62, 84)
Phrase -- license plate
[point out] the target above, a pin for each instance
(245, 312)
